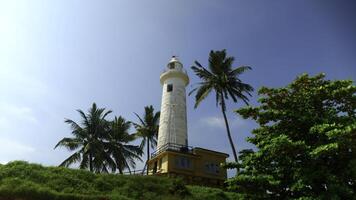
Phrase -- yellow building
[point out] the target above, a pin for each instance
(195, 165)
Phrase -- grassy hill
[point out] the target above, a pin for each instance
(23, 181)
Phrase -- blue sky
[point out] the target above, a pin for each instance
(59, 56)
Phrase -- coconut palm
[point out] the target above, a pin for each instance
(117, 146)
(147, 129)
(221, 78)
(87, 140)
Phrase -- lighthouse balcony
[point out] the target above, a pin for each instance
(174, 73)
(173, 147)
(175, 70)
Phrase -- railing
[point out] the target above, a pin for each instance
(173, 147)
(136, 172)
(181, 70)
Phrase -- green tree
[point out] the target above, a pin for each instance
(147, 129)
(118, 147)
(221, 78)
(87, 140)
(306, 142)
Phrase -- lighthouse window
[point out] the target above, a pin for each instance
(171, 65)
(169, 88)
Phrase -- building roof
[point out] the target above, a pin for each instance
(216, 152)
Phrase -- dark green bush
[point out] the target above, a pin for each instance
(207, 193)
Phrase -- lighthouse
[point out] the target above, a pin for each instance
(173, 157)
(173, 119)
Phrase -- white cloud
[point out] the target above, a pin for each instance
(13, 150)
(11, 113)
(218, 122)
(18, 82)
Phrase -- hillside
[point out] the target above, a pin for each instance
(21, 180)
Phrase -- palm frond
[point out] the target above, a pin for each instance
(239, 70)
(85, 118)
(232, 94)
(192, 91)
(71, 159)
(202, 93)
(202, 73)
(216, 62)
(106, 114)
(141, 120)
(70, 143)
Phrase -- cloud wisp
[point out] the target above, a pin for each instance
(13, 150)
(219, 123)
(14, 112)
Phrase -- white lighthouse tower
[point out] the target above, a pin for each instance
(173, 156)
(173, 119)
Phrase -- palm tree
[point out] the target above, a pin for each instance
(225, 81)
(117, 145)
(87, 140)
(147, 129)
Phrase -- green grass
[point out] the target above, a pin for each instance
(23, 181)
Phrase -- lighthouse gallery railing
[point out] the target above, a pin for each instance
(173, 147)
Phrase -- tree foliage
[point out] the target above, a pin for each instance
(100, 145)
(118, 147)
(147, 129)
(87, 135)
(306, 142)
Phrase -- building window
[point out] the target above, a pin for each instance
(183, 162)
(169, 88)
(212, 168)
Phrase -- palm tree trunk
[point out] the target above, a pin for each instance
(228, 129)
(144, 169)
(148, 153)
(128, 167)
(90, 162)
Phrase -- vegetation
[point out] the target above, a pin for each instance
(306, 142)
(147, 129)
(102, 144)
(118, 147)
(224, 81)
(20, 180)
(87, 139)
